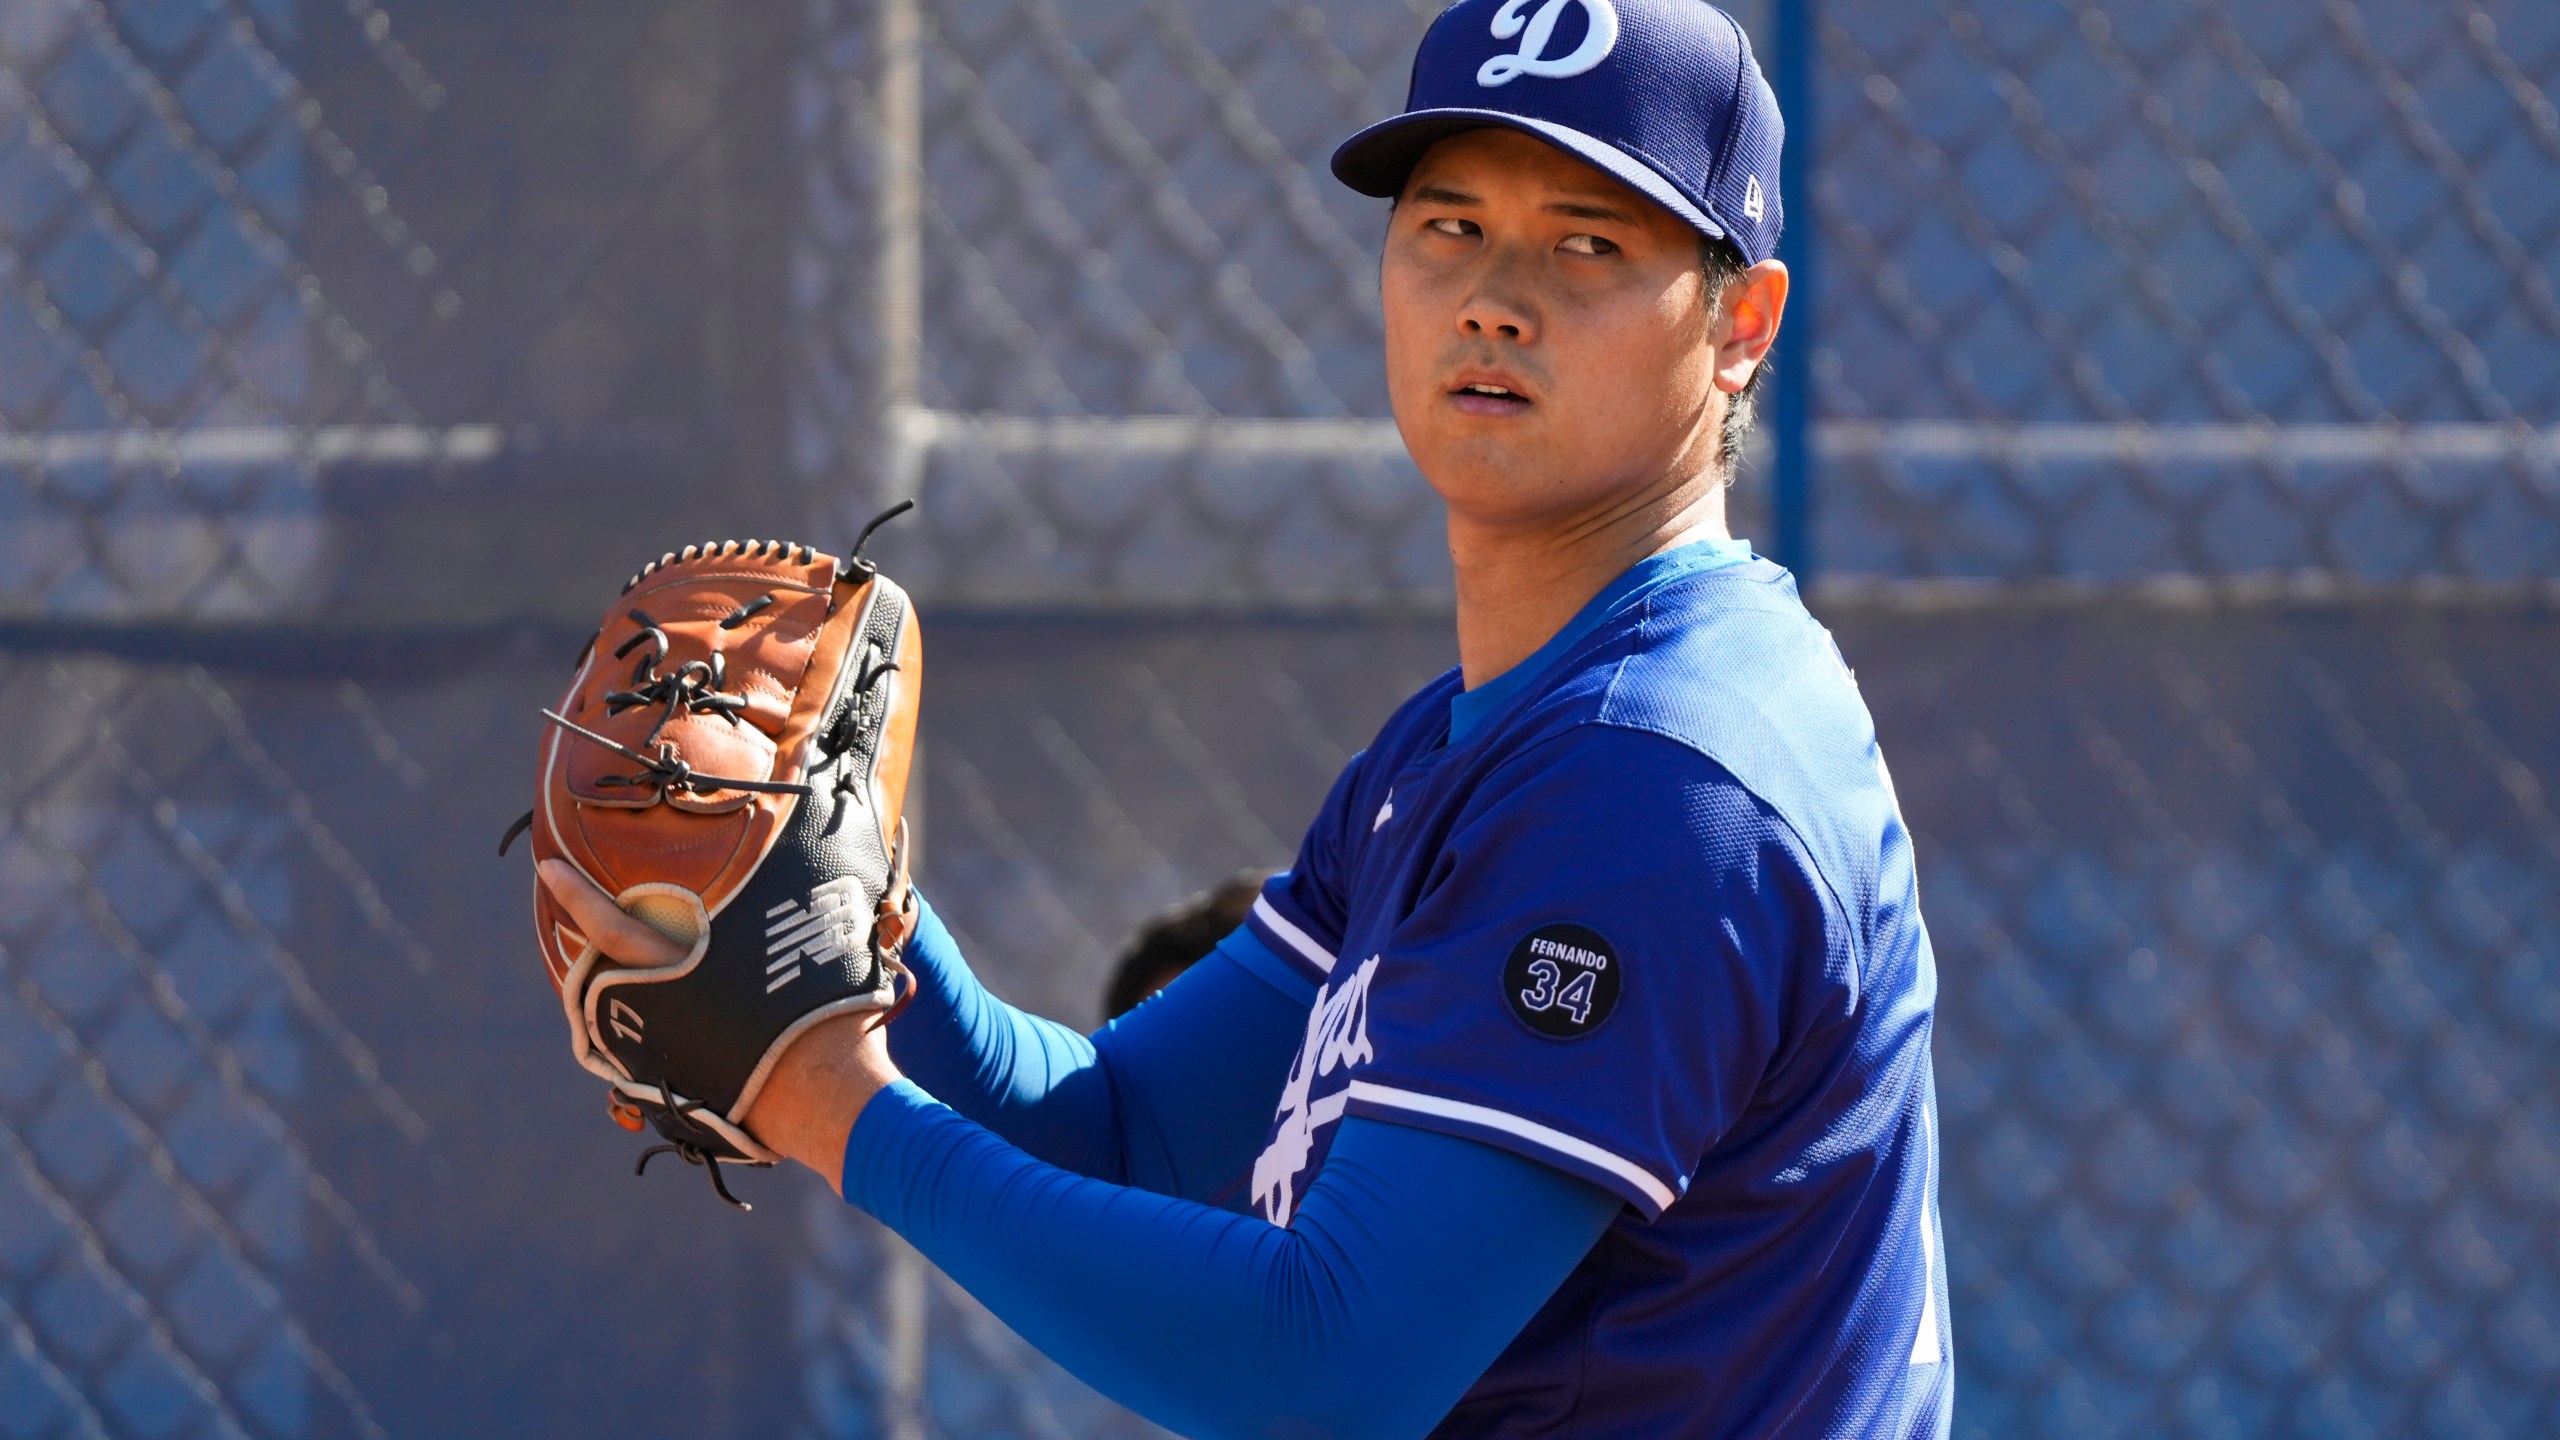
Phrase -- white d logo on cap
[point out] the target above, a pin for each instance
(1532, 58)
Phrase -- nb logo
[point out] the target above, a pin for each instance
(1532, 57)
(825, 931)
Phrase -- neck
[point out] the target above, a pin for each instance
(1519, 583)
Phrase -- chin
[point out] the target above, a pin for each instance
(1487, 481)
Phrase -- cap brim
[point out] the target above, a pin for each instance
(1377, 160)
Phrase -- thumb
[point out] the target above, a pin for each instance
(626, 939)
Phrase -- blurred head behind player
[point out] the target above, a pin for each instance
(1578, 281)
(1178, 939)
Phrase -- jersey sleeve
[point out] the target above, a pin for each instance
(1595, 974)
(1301, 911)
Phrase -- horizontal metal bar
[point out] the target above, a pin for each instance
(1142, 436)
(2155, 594)
(1112, 437)
(1830, 595)
(257, 445)
(2047, 443)
(425, 645)
(1134, 436)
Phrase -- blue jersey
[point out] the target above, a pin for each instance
(1646, 913)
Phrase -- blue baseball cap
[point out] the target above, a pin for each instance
(1663, 94)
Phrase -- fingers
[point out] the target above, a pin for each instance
(618, 935)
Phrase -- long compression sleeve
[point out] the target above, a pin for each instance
(1413, 1260)
(1173, 1097)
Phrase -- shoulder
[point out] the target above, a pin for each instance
(1732, 664)
(1726, 664)
(1593, 794)
(1741, 673)
(1727, 683)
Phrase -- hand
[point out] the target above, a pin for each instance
(624, 938)
(817, 1090)
(821, 1082)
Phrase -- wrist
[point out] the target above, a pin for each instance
(818, 1089)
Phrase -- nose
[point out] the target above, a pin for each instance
(1496, 307)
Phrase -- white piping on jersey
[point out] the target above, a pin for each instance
(1297, 939)
(1533, 1132)
(1926, 1349)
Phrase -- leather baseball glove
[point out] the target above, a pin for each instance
(730, 766)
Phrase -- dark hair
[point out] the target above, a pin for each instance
(1177, 940)
(1724, 265)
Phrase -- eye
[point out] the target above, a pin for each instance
(1590, 245)
(1451, 225)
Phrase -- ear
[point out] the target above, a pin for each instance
(1754, 303)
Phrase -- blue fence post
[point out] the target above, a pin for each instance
(1792, 498)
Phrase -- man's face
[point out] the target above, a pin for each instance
(1551, 349)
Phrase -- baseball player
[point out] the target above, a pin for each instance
(1575, 1079)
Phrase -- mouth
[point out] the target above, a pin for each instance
(1488, 397)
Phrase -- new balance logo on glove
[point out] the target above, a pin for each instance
(827, 928)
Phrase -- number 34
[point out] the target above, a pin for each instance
(1574, 999)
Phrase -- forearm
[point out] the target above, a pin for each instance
(1035, 1082)
(1173, 1097)
(1412, 1262)
(1196, 1072)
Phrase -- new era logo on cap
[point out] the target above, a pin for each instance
(1663, 94)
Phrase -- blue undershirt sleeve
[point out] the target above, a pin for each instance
(1174, 1096)
(1415, 1258)
(1196, 1072)
(1033, 1081)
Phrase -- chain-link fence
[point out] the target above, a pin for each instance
(2251, 928)
(2182, 478)
(2195, 288)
